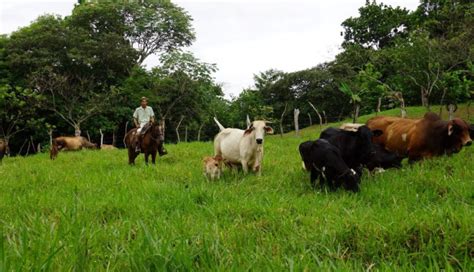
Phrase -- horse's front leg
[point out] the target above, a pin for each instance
(153, 156)
(146, 157)
(132, 155)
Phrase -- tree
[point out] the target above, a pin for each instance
(181, 84)
(17, 111)
(368, 81)
(151, 27)
(355, 99)
(419, 60)
(456, 86)
(75, 68)
(377, 26)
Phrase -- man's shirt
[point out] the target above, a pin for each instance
(143, 115)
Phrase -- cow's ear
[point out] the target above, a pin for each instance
(249, 130)
(268, 130)
(377, 132)
(450, 128)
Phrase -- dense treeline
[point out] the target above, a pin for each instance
(85, 72)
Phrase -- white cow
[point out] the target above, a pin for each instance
(237, 146)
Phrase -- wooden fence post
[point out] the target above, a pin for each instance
(379, 104)
(296, 113)
(281, 119)
(177, 128)
(199, 132)
(319, 115)
(186, 133)
(50, 133)
(101, 137)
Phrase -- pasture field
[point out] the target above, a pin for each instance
(90, 211)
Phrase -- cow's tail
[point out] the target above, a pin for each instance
(221, 127)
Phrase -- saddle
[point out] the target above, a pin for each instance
(145, 129)
(142, 132)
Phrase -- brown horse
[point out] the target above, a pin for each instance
(152, 142)
(3, 149)
(69, 143)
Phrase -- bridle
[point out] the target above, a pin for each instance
(160, 133)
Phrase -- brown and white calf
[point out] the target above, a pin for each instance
(212, 167)
(245, 147)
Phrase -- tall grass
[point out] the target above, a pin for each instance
(90, 211)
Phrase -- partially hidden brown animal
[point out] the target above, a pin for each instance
(3, 149)
(152, 142)
(107, 147)
(350, 126)
(69, 143)
(421, 138)
(213, 167)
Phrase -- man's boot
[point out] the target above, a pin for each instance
(161, 150)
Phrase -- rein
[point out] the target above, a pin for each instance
(156, 139)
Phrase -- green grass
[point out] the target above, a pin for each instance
(90, 211)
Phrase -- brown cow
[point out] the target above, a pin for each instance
(421, 138)
(3, 148)
(69, 143)
(152, 142)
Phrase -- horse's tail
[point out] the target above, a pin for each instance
(221, 127)
(127, 138)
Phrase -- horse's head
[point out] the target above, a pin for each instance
(157, 132)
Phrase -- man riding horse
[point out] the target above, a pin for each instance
(143, 117)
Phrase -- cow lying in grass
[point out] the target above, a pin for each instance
(325, 162)
(69, 143)
(356, 147)
(381, 158)
(107, 147)
(384, 159)
(421, 138)
(245, 147)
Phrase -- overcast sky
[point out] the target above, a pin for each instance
(243, 37)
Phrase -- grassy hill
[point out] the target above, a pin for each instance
(90, 211)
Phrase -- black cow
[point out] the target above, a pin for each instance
(383, 158)
(325, 162)
(356, 146)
